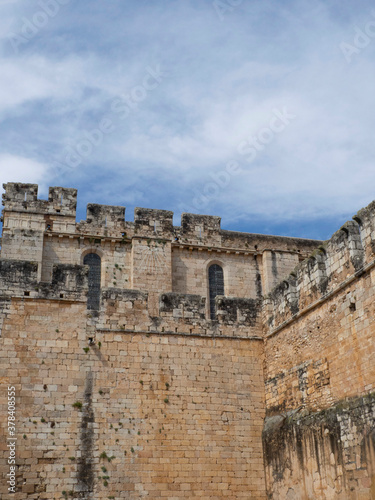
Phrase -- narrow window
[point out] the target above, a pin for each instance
(94, 262)
(216, 286)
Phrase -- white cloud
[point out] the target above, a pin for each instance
(18, 169)
(222, 82)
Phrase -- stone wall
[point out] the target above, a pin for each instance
(137, 415)
(320, 372)
(148, 396)
(327, 455)
(149, 254)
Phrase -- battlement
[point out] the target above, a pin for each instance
(20, 197)
(150, 254)
(344, 257)
(107, 216)
(201, 228)
(109, 220)
(365, 218)
(149, 221)
(20, 279)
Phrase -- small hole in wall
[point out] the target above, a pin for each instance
(58, 210)
(61, 295)
(26, 294)
(352, 307)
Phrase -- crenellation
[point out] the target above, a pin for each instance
(69, 282)
(238, 311)
(184, 306)
(107, 216)
(356, 250)
(62, 201)
(20, 197)
(330, 265)
(366, 221)
(17, 193)
(18, 278)
(123, 310)
(200, 229)
(153, 223)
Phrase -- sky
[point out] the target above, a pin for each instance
(260, 112)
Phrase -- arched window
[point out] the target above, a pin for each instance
(94, 262)
(216, 286)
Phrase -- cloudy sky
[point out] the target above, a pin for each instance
(259, 111)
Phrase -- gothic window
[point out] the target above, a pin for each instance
(216, 286)
(94, 262)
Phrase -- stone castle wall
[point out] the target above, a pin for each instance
(137, 415)
(149, 254)
(320, 372)
(273, 398)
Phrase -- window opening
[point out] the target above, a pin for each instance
(216, 286)
(94, 262)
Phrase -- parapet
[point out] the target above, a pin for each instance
(200, 228)
(148, 222)
(123, 309)
(107, 216)
(183, 314)
(69, 282)
(62, 200)
(20, 197)
(183, 306)
(18, 278)
(262, 242)
(365, 218)
(238, 311)
(109, 221)
(332, 264)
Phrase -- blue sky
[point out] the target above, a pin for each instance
(260, 112)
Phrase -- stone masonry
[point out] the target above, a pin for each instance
(161, 361)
